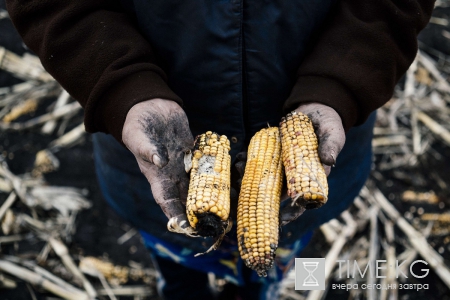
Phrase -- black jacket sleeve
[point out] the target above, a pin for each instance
(362, 52)
(97, 54)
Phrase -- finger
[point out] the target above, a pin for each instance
(183, 188)
(242, 156)
(330, 134)
(234, 195)
(167, 196)
(284, 196)
(239, 183)
(331, 142)
(329, 130)
(327, 169)
(144, 146)
(154, 152)
(176, 171)
(240, 166)
(290, 213)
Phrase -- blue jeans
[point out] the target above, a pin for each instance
(128, 192)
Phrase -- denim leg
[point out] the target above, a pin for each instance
(176, 282)
(251, 290)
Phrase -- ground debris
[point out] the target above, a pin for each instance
(428, 197)
(116, 275)
(39, 216)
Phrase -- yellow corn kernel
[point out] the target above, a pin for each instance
(306, 179)
(209, 186)
(259, 201)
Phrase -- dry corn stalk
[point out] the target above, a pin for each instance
(429, 197)
(45, 162)
(40, 281)
(21, 68)
(208, 201)
(114, 274)
(306, 179)
(443, 218)
(259, 201)
(26, 107)
(8, 222)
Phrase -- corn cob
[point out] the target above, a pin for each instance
(259, 201)
(305, 175)
(208, 201)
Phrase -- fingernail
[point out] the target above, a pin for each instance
(157, 161)
(334, 158)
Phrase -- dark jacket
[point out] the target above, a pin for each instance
(234, 65)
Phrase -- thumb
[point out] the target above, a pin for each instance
(153, 152)
(144, 147)
(167, 196)
(290, 213)
(331, 141)
(329, 130)
(160, 156)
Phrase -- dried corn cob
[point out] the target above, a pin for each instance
(208, 202)
(259, 201)
(305, 175)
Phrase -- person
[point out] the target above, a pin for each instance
(151, 75)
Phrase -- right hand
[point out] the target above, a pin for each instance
(331, 138)
(157, 133)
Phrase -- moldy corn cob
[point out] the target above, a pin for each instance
(208, 201)
(259, 201)
(306, 179)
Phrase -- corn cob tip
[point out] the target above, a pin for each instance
(307, 204)
(260, 264)
(210, 224)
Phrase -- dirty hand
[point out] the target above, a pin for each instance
(331, 137)
(329, 130)
(157, 133)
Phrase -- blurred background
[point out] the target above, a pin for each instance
(58, 237)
